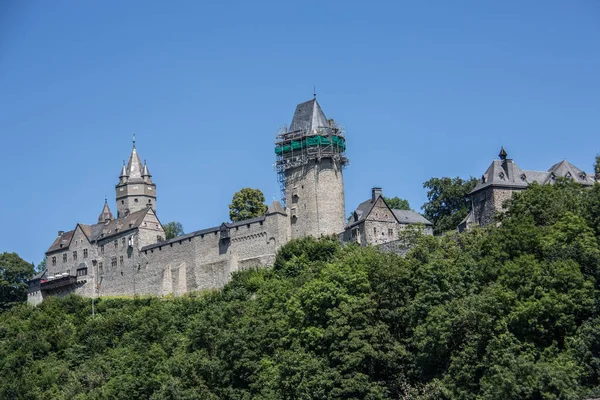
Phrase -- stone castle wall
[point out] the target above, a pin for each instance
(199, 261)
(488, 202)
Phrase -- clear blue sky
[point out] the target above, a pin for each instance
(423, 89)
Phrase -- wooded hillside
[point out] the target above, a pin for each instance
(507, 312)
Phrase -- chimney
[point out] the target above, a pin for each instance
(60, 233)
(375, 193)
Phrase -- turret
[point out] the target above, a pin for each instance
(123, 177)
(135, 190)
(146, 174)
(105, 215)
(310, 156)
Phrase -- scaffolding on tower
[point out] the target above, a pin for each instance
(301, 146)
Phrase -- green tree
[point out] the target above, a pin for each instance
(172, 229)
(14, 273)
(41, 266)
(396, 203)
(247, 203)
(597, 166)
(448, 202)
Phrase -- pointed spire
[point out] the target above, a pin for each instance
(309, 117)
(146, 174)
(105, 215)
(134, 166)
(502, 154)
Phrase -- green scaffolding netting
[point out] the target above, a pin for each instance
(311, 142)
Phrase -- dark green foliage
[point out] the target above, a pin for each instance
(396, 203)
(172, 230)
(447, 202)
(496, 313)
(247, 203)
(14, 272)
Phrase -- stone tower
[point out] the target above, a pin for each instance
(310, 157)
(135, 190)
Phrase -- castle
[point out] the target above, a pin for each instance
(128, 256)
(503, 178)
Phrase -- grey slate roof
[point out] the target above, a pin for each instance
(410, 217)
(309, 117)
(506, 173)
(135, 167)
(61, 241)
(101, 231)
(105, 214)
(275, 207)
(204, 232)
(117, 226)
(39, 275)
(402, 216)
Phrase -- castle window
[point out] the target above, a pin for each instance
(116, 243)
(113, 262)
(390, 232)
(102, 249)
(85, 253)
(53, 261)
(81, 271)
(74, 256)
(100, 268)
(122, 201)
(374, 230)
(65, 257)
(135, 200)
(121, 262)
(123, 242)
(294, 219)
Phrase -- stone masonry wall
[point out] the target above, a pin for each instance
(380, 226)
(315, 197)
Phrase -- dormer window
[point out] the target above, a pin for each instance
(523, 177)
(483, 178)
(568, 175)
(583, 176)
(501, 175)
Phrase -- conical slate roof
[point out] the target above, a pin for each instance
(134, 166)
(146, 170)
(309, 117)
(105, 215)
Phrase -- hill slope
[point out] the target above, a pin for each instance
(498, 313)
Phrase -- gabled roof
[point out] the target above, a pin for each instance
(410, 217)
(309, 117)
(118, 226)
(402, 216)
(61, 242)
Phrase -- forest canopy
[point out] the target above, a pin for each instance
(507, 312)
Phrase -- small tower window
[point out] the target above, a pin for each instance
(53, 261)
(102, 249)
(121, 262)
(85, 253)
(65, 257)
(135, 200)
(74, 256)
